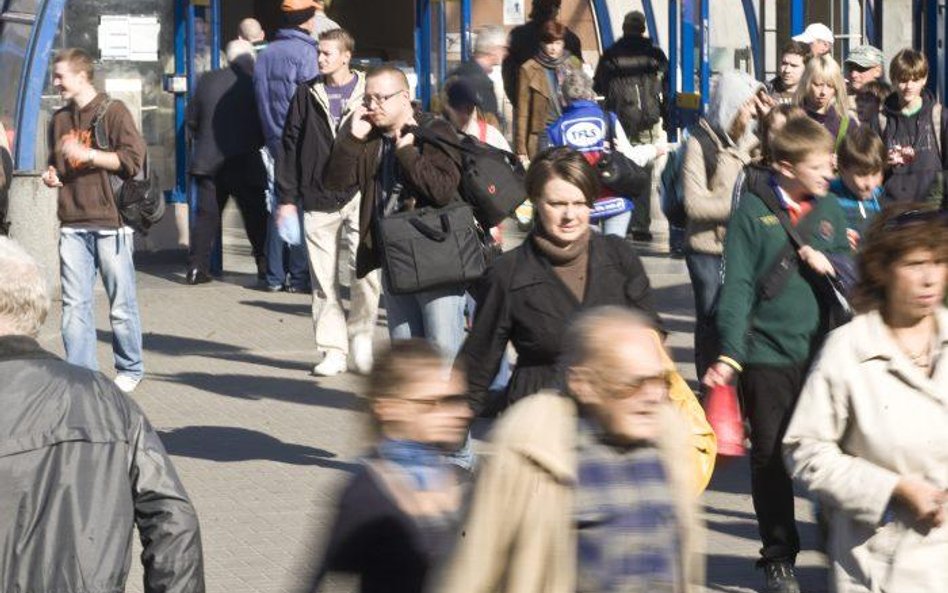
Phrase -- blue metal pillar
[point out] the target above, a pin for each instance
(650, 22)
(672, 70)
(32, 81)
(423, 51)
(918, 16)
(191, 50)
(931, 46)
(466, 45)
(753, 29)
(442, 42)
(797, 16)
(215, 21)
(687, 46)
(705, 80)
(606, 34)
(179, 194)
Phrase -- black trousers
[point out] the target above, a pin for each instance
(769, 394)
(239, 176)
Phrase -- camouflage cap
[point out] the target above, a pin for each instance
(866, 56)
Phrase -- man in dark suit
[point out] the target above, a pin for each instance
(225, 158)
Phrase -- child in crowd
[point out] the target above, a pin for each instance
(861, 162)
(399, 516)
(913, 129)
(769, 317)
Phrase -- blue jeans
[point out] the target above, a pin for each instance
(81, 255)
(705, 272)
(436, 315)
(616, 225)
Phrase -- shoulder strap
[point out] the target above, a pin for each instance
(709, 152)
(936, 123)
(770, 201)
(841, 133)
(99, 132)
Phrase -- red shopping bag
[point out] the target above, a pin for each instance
(724, 416)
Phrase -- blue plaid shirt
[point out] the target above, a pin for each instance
(627, 529)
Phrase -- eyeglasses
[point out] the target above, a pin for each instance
(917, 216)
(442, 403)
(635, 385)
(379, 100)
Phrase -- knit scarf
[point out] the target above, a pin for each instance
(558, 69)
(423, 463)
(559, 255)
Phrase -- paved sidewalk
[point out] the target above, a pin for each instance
(263, 446)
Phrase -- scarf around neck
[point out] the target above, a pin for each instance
(423, 463)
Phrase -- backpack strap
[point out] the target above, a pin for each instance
(936, 124)
(841, 133)
(709, 152)
(100, 133)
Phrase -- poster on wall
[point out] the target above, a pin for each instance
(514, 12)
(126, 37)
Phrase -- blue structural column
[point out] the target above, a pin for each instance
(650, 22)
(606, 35)
(797, 16)
(215, 34)
(931, 45)
(32, 81)
(179, 194)
(705, 54)
(423, 51)
(672, 70)
(753, 30)
(466, 45)
(687, 46)
(442, 41)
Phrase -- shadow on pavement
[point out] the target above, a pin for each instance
(297, 309)
(258, 387)
(734, 573)
(228, 444)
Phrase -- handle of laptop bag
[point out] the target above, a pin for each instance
(432, 233)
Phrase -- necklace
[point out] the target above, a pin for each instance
(922, 358)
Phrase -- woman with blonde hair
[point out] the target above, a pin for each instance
(822, 94)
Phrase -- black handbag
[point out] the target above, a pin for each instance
(432, 248)
(619, 173)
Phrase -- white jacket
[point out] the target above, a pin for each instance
(867, 416)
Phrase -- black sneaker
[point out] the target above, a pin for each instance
(196, 276)
(780, 578)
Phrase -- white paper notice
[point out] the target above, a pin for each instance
(514, 12)
(124, 37)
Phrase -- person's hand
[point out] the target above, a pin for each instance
(74, 151)
(403, 137)
(661, 150)
(763, 103)
(853, 236)
(817, 261)
(895, 156)
(908, 155)
(923, 500)
(361, 126)
(51, 177)
(524, 159)
(285, 211)
(719, 374)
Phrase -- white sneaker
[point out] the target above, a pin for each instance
(127, 383)
(333, 364)
(360, 354)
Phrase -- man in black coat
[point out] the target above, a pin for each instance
(490, 49)
(80, 466)
(225, 160)
(525, 43)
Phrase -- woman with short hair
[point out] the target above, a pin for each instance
(529, 294)
(868, 438)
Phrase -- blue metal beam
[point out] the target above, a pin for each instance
(215, 34)
(466, 49)
(672, 70)
(797, 16)
(753, 30)
(33, 79)
(705, 80)
(423, 51)
(606, 34)
(931, 45)
(651, 23)
(180, 191)
(687, 46)
(442, 42)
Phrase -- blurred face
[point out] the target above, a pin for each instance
(563, 212)
(776, 124)
(433, 411)
(624, 388)
(386, 101)
(67, 82)
(916, 285)
(791, 69)
(553, 49)
(820, 47)
(812, 175)
(862, 185)
(332, 57)
(858, 76)
(821, 94)
(911, 90)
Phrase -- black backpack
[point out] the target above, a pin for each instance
(635, 94)
(492, 180)
(673, 195)
(139, 199)
(6, 161)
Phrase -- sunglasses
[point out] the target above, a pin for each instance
(917, 216)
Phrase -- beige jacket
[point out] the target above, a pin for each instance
(867, 417)
(534, 112)
(708, 205)
(519, 535)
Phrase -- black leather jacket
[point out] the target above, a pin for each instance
(80, 466)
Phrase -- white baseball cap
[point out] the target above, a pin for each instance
(815, 32)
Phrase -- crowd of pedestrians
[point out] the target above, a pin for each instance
(801, 196)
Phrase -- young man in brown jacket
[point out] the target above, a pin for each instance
(94, 237)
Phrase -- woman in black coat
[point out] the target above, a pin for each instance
(530, 294)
